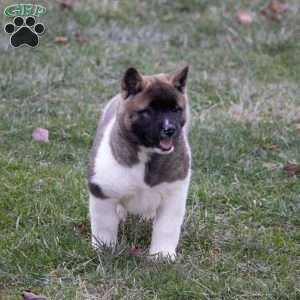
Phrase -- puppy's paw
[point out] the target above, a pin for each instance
(121, 212)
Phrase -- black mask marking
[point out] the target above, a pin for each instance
(162, 119)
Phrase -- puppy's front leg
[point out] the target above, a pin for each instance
(104, 221)
(167, 224)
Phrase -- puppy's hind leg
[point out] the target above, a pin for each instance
(104, 221)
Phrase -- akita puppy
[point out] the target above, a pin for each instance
(140, 162)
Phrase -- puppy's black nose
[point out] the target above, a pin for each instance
(168, 130)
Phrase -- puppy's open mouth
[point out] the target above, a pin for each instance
(166, 144)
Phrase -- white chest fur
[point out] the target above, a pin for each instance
(128, 192)
(116, 180)
(126, 184)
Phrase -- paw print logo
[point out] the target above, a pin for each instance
(24, 32)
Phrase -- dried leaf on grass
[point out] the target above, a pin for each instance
(61, 40)
(291, 168)
(277, 7)
(269, 147)
(80, 38)
(80, 229)
(66, 4)
(55, 273)
(274, 10)
(136, 251)
(40, 134)
(297, 127)
(245, 17)
(29, 295)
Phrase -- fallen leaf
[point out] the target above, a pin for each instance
(61, 40)
(236, 112)
(136, 251)
(270, 147)
(28, 295)
(55, 274)
(274, 9)
(269, 15)
(245, 17)
(66, 4)
(277, 7)
(80, 38)
(80, 229)
(291, 168)
(40, 134)
(297, 127)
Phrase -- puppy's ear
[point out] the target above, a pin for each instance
(179, 78)
(132, 83)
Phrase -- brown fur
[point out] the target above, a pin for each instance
(124, 149)
(168, 168)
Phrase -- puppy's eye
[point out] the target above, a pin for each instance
(144, 113)
(177, 109)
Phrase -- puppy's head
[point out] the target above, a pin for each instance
(154, 108)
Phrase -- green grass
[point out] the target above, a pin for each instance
(241, 236)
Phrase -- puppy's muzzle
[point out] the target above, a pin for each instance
(168, 131)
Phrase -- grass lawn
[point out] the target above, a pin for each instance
(241, 235)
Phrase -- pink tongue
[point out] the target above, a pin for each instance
(166, 144)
